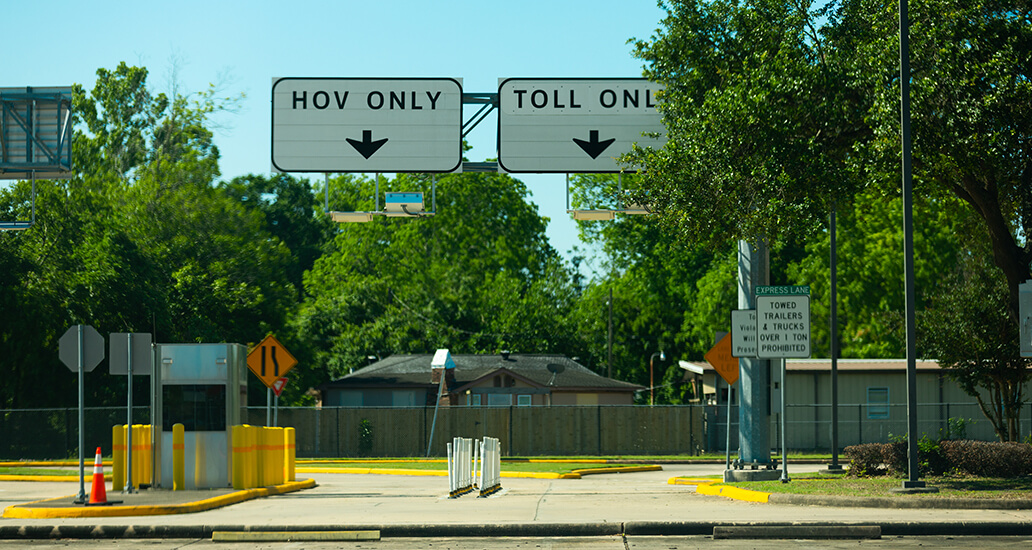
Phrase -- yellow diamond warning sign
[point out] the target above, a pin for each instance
(719, 356)
(269, 360)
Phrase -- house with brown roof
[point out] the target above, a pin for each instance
(502, 380)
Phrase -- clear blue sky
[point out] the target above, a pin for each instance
(245, 44)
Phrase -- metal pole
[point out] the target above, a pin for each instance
(609, 351)
(784, 403)
(275, 413)
(727, 446)
(433, 423)
(652, 385)
(129, 422)
(908, 250)
(81, 497)
(834, 345)
(268, 406)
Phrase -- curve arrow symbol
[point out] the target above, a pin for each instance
(367, 147)
(593, 147)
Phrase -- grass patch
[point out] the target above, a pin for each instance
(527, 467)
(949, 487)
(39, 471)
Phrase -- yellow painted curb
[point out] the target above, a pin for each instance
(690, 481)
(618, 470)
(381, 471)
(28, 511)
(732, 492)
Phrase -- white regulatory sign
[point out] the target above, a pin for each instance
(743, 333)
(366, 125)
(782, 321)
(574, 125)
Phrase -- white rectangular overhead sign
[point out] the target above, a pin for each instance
(366, 125)
(574, 125)
(782, 321)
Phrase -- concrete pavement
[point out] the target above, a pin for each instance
(641, 503)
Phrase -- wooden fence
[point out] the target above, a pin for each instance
(523, 431)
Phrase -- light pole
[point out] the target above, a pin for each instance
(652, 385)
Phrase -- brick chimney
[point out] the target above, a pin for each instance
(442, 363)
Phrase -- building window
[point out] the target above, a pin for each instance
(877, 402)
(523, 400)
(499, 400)
(474, 400)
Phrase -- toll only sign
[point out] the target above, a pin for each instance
(782, 322)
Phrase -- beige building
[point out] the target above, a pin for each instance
(872, 397)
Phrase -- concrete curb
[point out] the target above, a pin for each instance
(40, 510)
(710, 487)
(902, 502)
(631, 528)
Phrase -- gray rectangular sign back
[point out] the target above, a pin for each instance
(119, 356)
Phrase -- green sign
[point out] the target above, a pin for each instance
(790, 290)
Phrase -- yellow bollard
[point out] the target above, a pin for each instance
(263, 457)
(137, 455)
(200, 463)
(252, 456)
(288, 454)
(148, 455)
(117, 458)
(278, 444)
(178, 457)
(237, 457)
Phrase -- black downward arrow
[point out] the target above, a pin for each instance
(593, 147)
(367, 147)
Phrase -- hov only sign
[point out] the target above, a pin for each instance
(366, 125)
(574, 125)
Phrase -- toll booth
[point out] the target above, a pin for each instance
(204, 388)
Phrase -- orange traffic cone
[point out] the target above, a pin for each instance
(98, 493)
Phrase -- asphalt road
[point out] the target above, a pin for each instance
(547, 508)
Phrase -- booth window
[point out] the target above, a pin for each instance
(198, 407)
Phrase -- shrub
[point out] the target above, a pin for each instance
(865, 460)
(988, 459)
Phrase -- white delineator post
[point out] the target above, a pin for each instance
(490, 467)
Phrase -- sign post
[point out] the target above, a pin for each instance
(782, 331)
(81, 348)
(130, 352)
(719, 357)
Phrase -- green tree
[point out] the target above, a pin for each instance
(137, 240)
(776, 112)
(292, 214)
(971, 110)
(478, 276)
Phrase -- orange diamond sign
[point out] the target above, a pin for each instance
(720, 358)
(269, 360)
